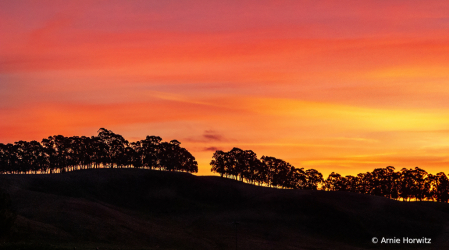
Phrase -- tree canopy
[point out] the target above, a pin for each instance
(59, 154)
(406, 184)
(244, 165)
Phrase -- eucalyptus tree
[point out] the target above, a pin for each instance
(50, 153)
(270, 163)
(430, 184)
(8, 158)
(186, 161)
(60, 145)
(299, 178)
(407, 184)
(13, 159)
(164, 157)
(333, 182)
(345, 183)
(236, 163)
(250, 163)
(3, 158)
(392, 185)
(361, 186)
(151, 151)
(100, 151)
(419, 177)
(291, 180)
(352, 183)
(281, 175)
(137, 157)
(172, 152)
(442, 187)
(218, 162)
(383, 181)
(378, 182)
(314, 179)
(115, 145)
(37, 156)
(87, 151)
(127, 158)
(261, 176)
(172, 157)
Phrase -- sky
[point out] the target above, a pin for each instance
(338, 86)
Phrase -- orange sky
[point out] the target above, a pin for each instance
(345, 86)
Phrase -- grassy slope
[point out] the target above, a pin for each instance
(142, 209)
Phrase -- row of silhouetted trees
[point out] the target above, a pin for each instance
(405, 184)
(107, 150)
(245, 166)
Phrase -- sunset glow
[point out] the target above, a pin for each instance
(343, 86)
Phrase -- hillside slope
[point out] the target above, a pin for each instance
(143, 209)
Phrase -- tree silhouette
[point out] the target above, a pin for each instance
(218, 162)
(175, 158)
(314, 179)
(237, 165)
(430, 184)
(406, 184)
(60, 154)
(420, 183)
(244, 165)
(442, 187)
(108, 149)
(299, 178)
(270, 164)
(150, 149)
(333, 182)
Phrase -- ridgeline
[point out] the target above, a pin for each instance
(150, 209)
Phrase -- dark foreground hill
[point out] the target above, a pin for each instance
(143, 209)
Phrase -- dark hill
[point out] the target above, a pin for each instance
(143, 209)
